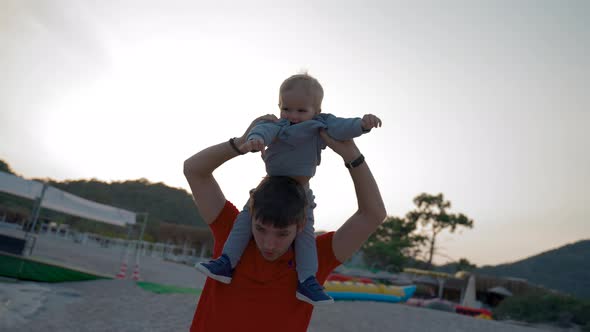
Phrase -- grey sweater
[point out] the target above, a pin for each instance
(295, 149)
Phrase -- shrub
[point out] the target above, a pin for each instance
(545, 307)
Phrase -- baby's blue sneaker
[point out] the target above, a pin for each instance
(312, 292)
(217, 269)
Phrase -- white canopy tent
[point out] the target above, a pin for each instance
(58, 200)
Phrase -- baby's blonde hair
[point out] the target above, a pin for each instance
(307, 82)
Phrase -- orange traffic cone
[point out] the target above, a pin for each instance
(122, 272)
(136, 273)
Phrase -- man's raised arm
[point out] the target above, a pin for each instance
(199, 168)
(371, 210)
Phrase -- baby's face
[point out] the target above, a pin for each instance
(297, 106)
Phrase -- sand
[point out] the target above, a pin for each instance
(121, 305)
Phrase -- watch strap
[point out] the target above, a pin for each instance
(355, 163)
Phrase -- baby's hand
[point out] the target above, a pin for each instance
(370, 121)
(255, 144)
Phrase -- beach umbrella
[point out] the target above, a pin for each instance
(500, 291)
(469, 298)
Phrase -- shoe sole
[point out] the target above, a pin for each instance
(205, 271)
(312, 302)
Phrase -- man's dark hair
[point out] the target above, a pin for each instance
(279, 201)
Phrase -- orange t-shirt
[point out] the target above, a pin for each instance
(261, 296)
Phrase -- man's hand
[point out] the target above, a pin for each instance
(370, 121)
(253, 145)
(345, 149)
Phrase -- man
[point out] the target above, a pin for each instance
(260, 297)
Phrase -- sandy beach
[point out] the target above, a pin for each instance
(121, 305)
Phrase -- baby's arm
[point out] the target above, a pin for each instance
(263, 134)
(265, 131)
(343, 129)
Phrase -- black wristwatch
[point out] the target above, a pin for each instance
(355, 163)
(234, 146)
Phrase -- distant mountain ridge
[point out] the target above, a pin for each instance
(565, 269)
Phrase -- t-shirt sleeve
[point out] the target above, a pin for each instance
(267, 130)
(222, 225)
(327, 262)
(343, 128)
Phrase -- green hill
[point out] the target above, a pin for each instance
(163, 203)
(566, 269)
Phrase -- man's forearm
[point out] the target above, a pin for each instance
(370, 203)
(370, 214)
(203, 163)
(199, 168)
(198, 171)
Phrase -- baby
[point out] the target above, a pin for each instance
(293, 149)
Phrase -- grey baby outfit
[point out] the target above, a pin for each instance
(292, 150)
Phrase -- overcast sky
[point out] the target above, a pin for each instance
(486, 102)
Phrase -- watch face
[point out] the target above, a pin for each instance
(355, 162)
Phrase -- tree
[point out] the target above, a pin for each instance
(390, 245)
(431, 213)
(4, 167)
(464, 265)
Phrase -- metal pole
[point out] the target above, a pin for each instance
(441, 287)
(145, 219)
(37, 208)
(125, 247)
(36, 211)
(203, 249)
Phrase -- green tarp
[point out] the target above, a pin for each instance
(167, 289)
(22, 268)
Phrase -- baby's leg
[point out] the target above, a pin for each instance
(309, 289)
(239, 237)
(306, 252)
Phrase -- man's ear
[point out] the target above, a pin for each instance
(251, 202)
(300, 226)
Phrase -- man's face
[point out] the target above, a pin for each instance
(297, 106)
(271, 241)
